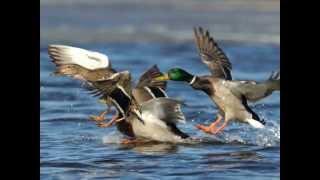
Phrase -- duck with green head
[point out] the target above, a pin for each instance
(230, 96)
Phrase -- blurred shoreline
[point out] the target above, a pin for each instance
(98, 21)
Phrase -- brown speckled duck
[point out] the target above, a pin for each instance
(230, 96)
(142, 112)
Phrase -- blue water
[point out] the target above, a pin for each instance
(72, 147)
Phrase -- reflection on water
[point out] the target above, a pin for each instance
(156, 148)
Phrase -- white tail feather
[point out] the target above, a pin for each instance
(255, 123)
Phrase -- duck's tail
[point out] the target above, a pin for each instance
(255, 123)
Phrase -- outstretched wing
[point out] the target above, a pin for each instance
(62, 54)
(212, 55)
(80, 63)
(254, 91)
(166, 109)
(147, 77)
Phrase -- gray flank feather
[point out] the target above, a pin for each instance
(166, 109)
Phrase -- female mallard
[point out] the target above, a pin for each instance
(229, 95)
(89, 67)
(140, 111)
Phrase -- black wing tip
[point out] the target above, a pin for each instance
(204, 34)
(196, 28)
(201, 30)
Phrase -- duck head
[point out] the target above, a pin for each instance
(175, 74)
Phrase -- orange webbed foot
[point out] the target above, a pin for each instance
(103, 124)
(207, 129)
(100, 117)
(212, 128)
(114, 119)
(96, 118)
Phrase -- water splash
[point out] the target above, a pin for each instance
(267, 137)
(113, 137)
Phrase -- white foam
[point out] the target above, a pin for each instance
(112, 138)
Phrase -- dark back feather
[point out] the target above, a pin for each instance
(147, 77)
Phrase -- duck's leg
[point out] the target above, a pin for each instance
(212, 127)
(101, 116)
(219, 129)
(128, 141)
(113, 120)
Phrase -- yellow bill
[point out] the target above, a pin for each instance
(164, 77)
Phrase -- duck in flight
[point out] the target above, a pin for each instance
(230, 96)
(144, 111)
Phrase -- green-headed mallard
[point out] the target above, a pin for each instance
(143, 111)
(229, 95)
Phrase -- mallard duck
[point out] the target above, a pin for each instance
(230, 96)
(144, 111)
(151, 114)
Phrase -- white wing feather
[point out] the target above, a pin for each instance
(72, 55)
